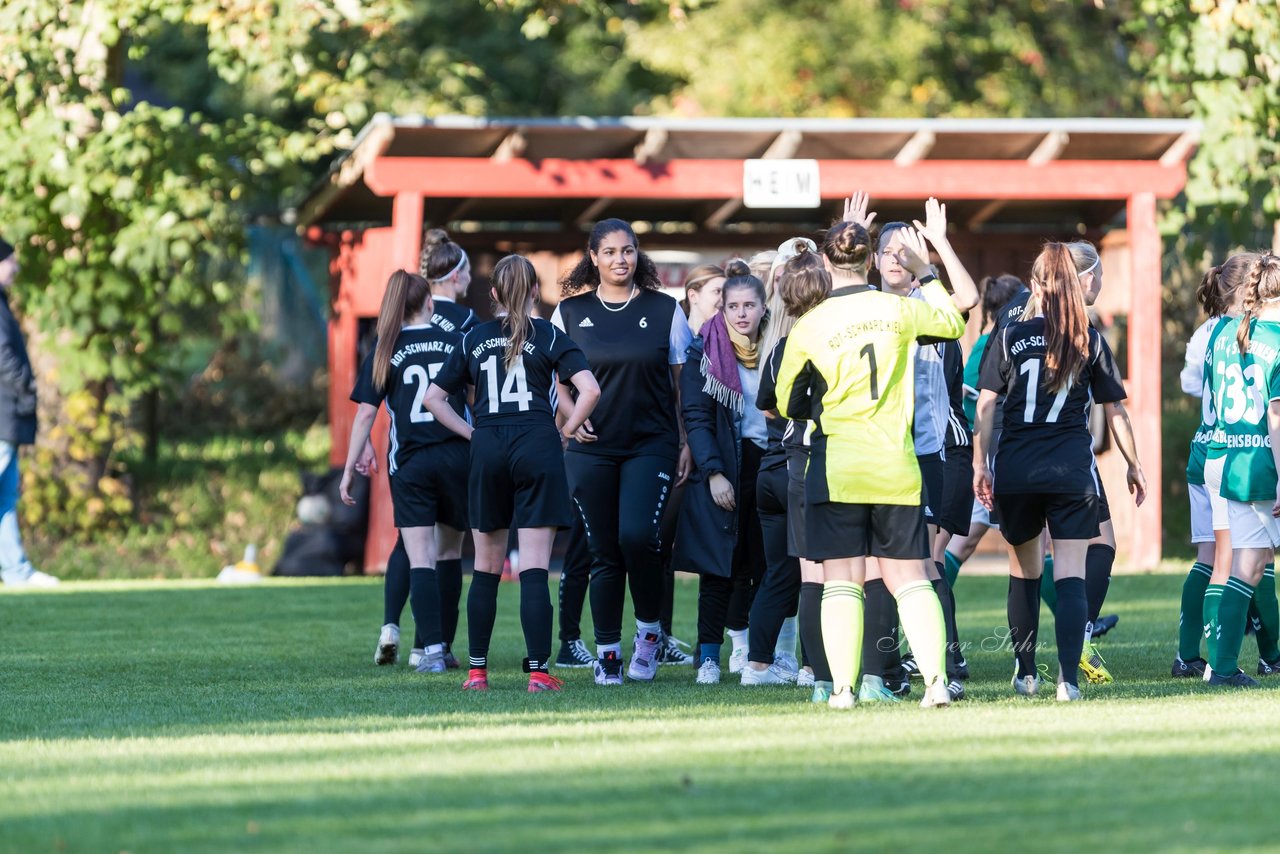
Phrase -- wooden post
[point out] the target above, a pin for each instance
(1146, 299)
(406, 221)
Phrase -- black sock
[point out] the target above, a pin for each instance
(948, 601)
(1024, 622)
(811, 629)
(424, 599)
(1068, 625)
(482, 610)
(535, 616)
(880, 616)
(395, 586)
(449, 576)
(1098, 561)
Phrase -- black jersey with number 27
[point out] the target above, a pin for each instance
(525, 394)
(1045, 446)
(419, 355)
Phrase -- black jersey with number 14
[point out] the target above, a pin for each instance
(525, 394)
(1045, 446)
(419, 355)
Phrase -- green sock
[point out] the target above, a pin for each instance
(1236, 595)
(920, 614)
(1190, 627)
(1212, 600)
(842, 630)
(1267, 627)
(1048, 592)
(951, 567)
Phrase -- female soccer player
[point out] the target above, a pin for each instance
(446, 266)
(718, 534)
(801, 283)
(853, 356)
(1051, 368)
(1245, 358)
(623, 464)
(517, 473)
(426, 461)
(703, 289)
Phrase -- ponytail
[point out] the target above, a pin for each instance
(1061, 301)
(1208, 293)
(405, 296)
(514, 280)
(1249, 304)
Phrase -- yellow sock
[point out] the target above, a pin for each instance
(920, 613)
(842, 630)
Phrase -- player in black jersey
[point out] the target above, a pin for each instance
(517, 474)
(446, 266)
(425, 460)
(1051, 368)
(623, 464)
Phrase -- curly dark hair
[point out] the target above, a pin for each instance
(584, 275)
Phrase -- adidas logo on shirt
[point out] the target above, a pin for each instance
(586, 323)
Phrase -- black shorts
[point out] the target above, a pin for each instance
(430, 487)
(517, 479)
(797, 461)
(1104, 508)
(932, 477)
(957, 491)
(894, 531)
(1069, 517)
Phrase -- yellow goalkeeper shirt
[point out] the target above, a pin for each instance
(849, 368)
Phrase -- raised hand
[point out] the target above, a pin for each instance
(934, 227)
(913, 254)
(855, 210)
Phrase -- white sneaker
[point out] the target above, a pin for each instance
(804, 678)
(1027, 686)
(388, 649)
(842, 699)
(708, 673)
(34, 578)
(1068, 693)
(936, 695)
(738, 659)
(771, 675)
(415, 657)
(788, 662)
(644, 661)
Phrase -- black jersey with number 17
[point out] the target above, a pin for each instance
(419, 355)
(526, 394)
(1045, 443)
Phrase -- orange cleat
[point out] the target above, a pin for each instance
(539, 681)
(477, 680)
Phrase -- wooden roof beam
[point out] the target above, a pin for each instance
(1181, 149)
(783, 147)
(511, 146)
(916, 148)
(1050, 148)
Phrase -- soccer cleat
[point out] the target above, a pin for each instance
(842, 699)
(1102, 625)
(936, 695)
(1239, 679)
(956, 689)
(873, 690)
(432, 662)
(738, 659)
(909, 665)
(821, 692)
(415, 656)
(672, 651)
(804, 678)
(962, 668)
(477, 680)
(1188, 669)
(451, 661)
(788, 662)
(388, 649)
(1026, 686)
(1068, 693)
(608, 669)
(771, 675)
(708, 673)
(1093, 666)
(644, 661)
(1268, 668)
(540, 681)
(574, 653)
(898, 687)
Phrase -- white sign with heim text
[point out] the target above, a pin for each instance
(781, 184)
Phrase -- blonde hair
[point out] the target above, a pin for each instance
(1061, 301)
(515, 281)
(405, 296)
(801, 283)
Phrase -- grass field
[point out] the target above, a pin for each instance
(182, 716)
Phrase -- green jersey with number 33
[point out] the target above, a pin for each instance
(1243, 385)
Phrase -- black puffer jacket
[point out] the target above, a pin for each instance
(17, 383)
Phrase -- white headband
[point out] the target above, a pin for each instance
(456, 267)
(790, 249)
(1092, 267)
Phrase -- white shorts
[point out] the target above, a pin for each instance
(1217, 504)
(1202, 512)
(1252, 525)
(982, 516)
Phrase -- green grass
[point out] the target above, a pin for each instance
(189, 717)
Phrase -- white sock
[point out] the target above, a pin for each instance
(615, 648)
(435, 649)
(739, 638)
(1088, 634)
(648, 628)
(787, 638)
